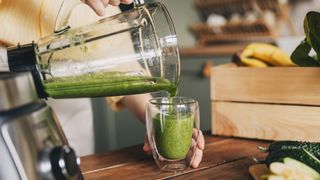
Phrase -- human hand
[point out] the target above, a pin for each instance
(99, 5)
(196, 152)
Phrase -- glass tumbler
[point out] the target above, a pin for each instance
(172, 127)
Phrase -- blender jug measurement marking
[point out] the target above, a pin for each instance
(143, 21)
(156, 41)
(53, 46)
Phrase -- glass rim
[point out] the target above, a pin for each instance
(183, 100)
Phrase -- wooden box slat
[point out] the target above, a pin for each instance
(266, 121)
(284, 85)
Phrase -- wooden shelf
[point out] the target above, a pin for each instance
(234, 32)
(216, 50)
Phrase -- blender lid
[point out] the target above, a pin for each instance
(16, 89)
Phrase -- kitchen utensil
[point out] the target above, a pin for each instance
(133, 52)
(32, 143)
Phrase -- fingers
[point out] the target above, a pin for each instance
(201, 142)
(114, 2)
(197, 158)
(98, 6)
(126, 1)
(193, 143)
(146, 148)
(198, 145)
(198, 136)
(196, 149)
(191, 154)
(105, 2)
(195, 133)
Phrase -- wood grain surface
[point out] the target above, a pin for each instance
(285, 85)
(266, 121)
(238, 168)
(224, 158)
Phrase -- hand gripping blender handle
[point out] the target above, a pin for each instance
(66, 8)
(126, 7)
(64, 13)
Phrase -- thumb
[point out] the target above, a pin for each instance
(146, 146)
(97, 6)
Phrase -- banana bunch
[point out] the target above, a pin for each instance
(264, 55)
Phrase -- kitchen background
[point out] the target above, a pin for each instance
(115, 130)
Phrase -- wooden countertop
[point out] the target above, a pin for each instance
(224, 158)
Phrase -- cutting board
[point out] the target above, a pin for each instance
(258, 170)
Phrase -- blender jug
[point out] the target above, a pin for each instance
(133, 52)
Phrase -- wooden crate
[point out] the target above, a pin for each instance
(275, 103)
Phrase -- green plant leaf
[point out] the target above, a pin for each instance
(300, 55)
(306, 29)
(312, 30)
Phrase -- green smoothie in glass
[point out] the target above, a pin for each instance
(173, 134)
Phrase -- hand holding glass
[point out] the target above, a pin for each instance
(170, 127)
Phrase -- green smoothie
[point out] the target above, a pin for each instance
(173, 135)
(105, 84)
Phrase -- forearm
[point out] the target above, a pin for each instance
(137, 104)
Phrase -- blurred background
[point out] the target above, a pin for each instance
(210, 32)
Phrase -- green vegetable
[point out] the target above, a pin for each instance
(272, 177)
(312, 147)
(301, 56)
(299, 165)
(299, 154)
(312, 30)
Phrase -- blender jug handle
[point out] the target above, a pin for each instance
(126, 7)
(64, 13)
(138, 2)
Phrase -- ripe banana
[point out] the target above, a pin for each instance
(252, 62)
(265, 52)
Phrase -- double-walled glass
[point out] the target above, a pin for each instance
(172, 127)
(133, 52)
